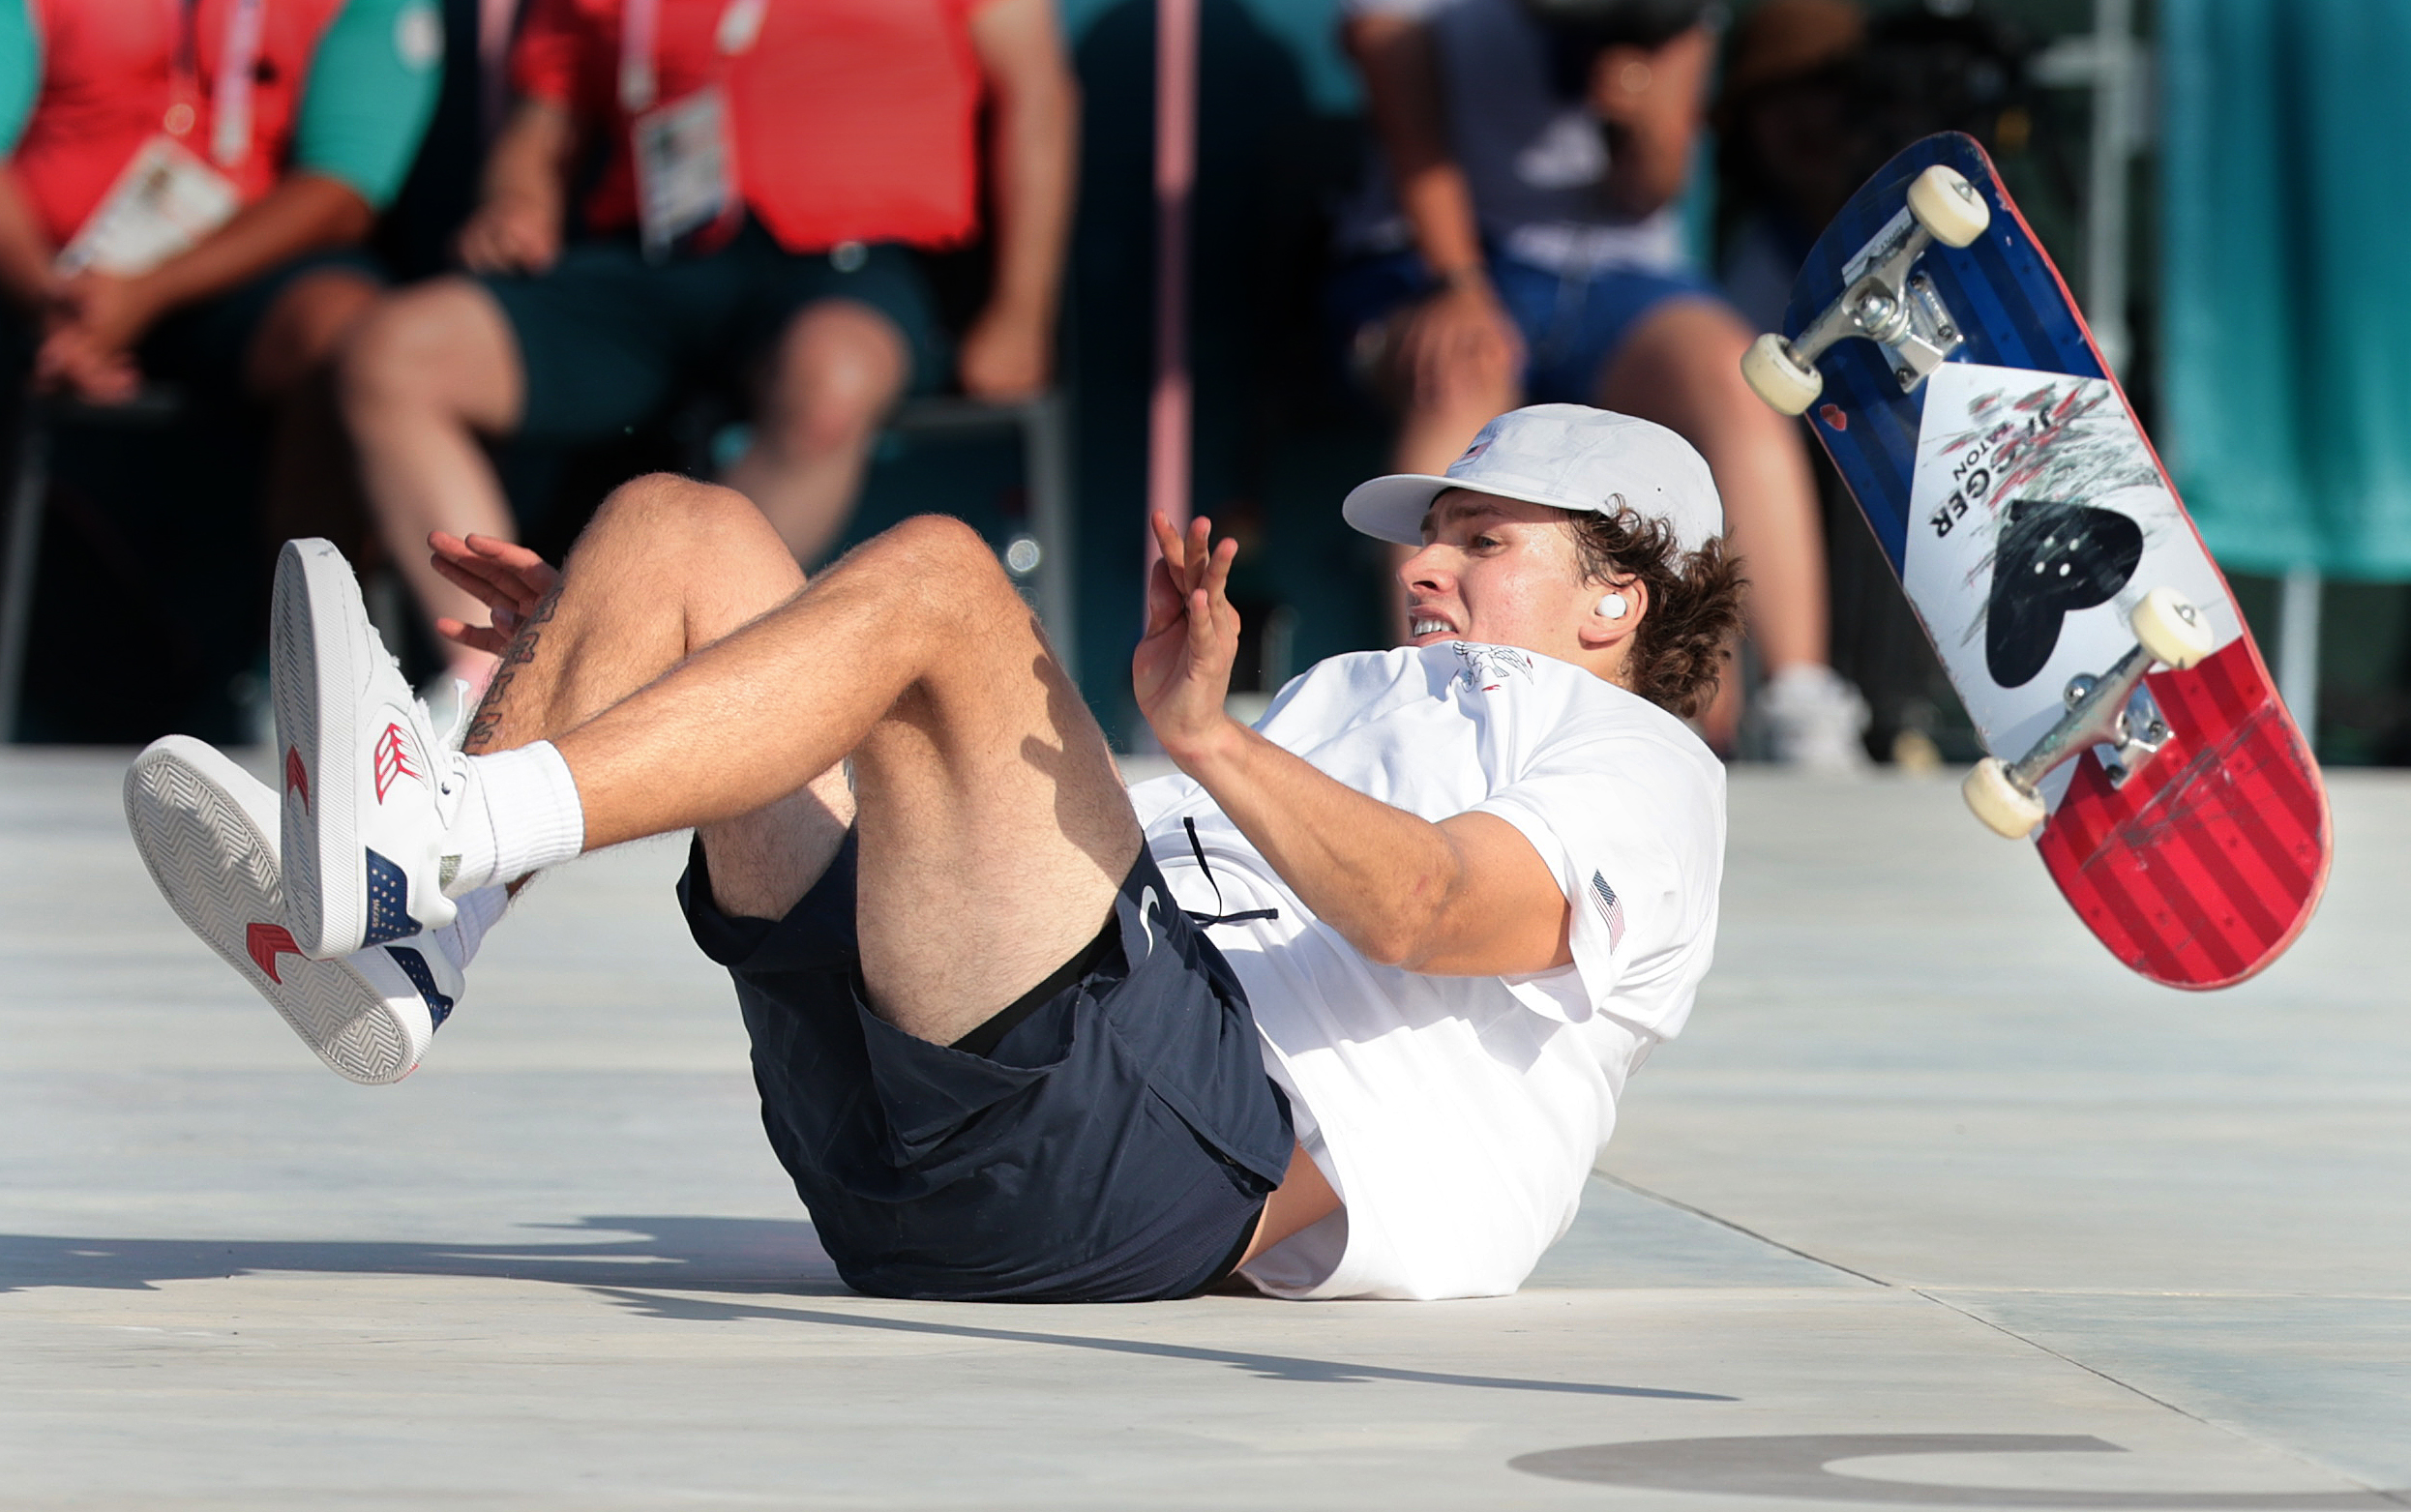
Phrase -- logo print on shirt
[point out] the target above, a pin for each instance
(267, 941)
(392, 760)
(1611, 909)
(296, 776)
(1488, 668)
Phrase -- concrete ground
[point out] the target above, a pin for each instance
(1935, 1206)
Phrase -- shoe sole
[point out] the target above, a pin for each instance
(215, 859)
(323, 858)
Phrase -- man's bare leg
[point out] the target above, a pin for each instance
(996, 831)
(988, 800)
(667, 568)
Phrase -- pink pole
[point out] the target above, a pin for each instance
(1175, 171)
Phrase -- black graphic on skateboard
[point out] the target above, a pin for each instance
(2053, 558)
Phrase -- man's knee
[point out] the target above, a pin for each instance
(947, 560)
(304, 327)
(663, 517)
(841, 366)
(418, 349)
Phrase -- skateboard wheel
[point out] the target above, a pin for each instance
(1773, 375)
(1949, 206)
(2006, 808)
(2171, 629)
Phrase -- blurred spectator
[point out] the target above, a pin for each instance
(187, 185)
(1526, 247)
(1792, 145)
(1815, 99)
(766, 171)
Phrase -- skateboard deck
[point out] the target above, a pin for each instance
(2027, 515)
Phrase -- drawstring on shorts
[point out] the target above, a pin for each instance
(1206, 921)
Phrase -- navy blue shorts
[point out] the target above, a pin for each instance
(1117, 1144)
(1573, 326)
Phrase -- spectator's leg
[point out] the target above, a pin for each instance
(304, 327)
(314, 480)
(1447, 387)
(835, 374)
(427, 373)
(1680, 367)
(665, 569)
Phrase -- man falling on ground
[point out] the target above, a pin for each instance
(1345, 1006)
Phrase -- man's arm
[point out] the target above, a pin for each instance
(1031, 160)
(1468, 896)
(365, 103)
(1651, 100)
(303, 213)
(516, 228)
(102, 316)
(1401, 71)
(25, 253)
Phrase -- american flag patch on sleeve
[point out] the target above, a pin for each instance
(1611, 909)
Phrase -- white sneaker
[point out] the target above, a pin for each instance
(206, 829)
(1815, 720)
(369, 788)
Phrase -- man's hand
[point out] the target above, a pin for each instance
(1181, 670)
(1458, 336)
(1007, 354)
(511, 580)
(514, 233)
(94, 321)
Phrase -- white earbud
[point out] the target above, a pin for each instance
(1613, 607)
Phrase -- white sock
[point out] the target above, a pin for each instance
(521, 814)
(479, 911)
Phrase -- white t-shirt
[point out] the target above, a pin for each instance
(1534, 162)
(1458, 1117)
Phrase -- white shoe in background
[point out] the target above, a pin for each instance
(1815, 721)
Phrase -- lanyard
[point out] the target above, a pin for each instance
(639, 33)
(230, 92)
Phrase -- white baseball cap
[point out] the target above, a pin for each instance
(1569, 456)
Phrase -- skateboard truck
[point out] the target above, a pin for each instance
(1886, 304)
(2115, 709)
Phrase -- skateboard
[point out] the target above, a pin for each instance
(2134, 731)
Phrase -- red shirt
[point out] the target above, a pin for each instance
(853, 120)
(109, 79)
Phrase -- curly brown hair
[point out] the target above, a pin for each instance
(1686, 636)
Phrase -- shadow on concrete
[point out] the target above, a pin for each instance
(696, 1254)
(677, 1254)
(1801, 1465)
(1266, 1367)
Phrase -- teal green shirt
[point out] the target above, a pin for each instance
(371, 86)
(20, 70)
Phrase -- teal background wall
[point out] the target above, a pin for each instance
(2286, 374)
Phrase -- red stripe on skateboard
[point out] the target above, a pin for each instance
(2202, 867)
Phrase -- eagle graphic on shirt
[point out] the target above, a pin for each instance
(1488, 667)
